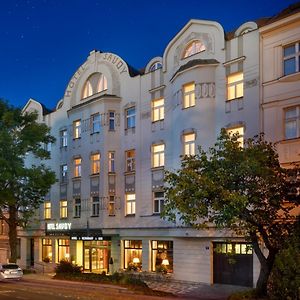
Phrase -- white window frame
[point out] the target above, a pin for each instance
(295, 55)
(130, 160)
(111, 162)
(96, 123)
(63, 138)
(189, 144)
(77, 129)
(47, 210)
(159, 200)
(64, 173)
(112, 206)
(192, 48)
(77, 207)
(95, 206)
(87, 89)
(77, 166)
(158, 155)
(188, 95)
(234, 85)
(112, 120)
(155, 66)
(130, 114)
(95, 163)
(240, 129)
(158, 109)
(130, 204)
(63, 209)
(295, 120)
(102, 83)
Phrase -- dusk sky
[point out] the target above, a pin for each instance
(43, 42)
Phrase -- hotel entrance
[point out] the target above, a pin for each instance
(96, 256)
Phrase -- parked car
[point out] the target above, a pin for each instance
(10, 271)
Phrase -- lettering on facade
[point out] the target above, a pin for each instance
(86, 238)
(74, 80)
(58, 226)
(116, 61)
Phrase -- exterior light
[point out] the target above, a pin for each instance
(165, 262)
(136, 260)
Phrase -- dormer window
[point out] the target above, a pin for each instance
(193, 48)
(157, 65)
(96, 83)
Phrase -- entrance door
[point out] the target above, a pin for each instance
(31, 252)
(233, 264)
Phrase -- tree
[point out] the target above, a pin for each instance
(241, 188)
(22, 186)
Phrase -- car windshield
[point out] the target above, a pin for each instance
(10, 266)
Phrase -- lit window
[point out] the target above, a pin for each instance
(130, 204)
(112, 120)
(63, 138)
(87, 90)
(158, 155)
(47, 250)
(158, 202)
(162, 256)
(96, 123)
(77, 210)
(189, 95)
(157, 65)
(64, 173)
(291, 59)
(193, 48)
(111, 161)
(63, 250)
(77, 129)
(95, 163)
(235, 86)
(95, 206)
(102, 83)
(189, 144)
(158, 110)
(95, 84)
(111, 206)
(77, 167)
(133, 254)
(239, 131)
(292, 123)
(130, 117)
(47, 210)
(130, 160)
(63, 209)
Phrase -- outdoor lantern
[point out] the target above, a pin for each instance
(165, 262)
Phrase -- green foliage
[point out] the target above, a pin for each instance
(243, 295)
(65, 266)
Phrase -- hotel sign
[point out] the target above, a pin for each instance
(58, 228)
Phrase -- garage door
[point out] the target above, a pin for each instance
(233, 263)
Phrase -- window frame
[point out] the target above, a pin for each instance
(130, 117)
(64, 173)
(191, 145)
(95, 206)
(130, 204)
(77, 129)
(111, 162)
(77, 207)
(158, 155)
(157, 111)
(47, 210)
(112, 206)
(130, 160)
(95, 163)
(64, 138)
(295, 119)
(235, 85)
(235, 129)
(63, 209)
(188, 97)
(160, 200)
(95, 124)
(77, 167)
(295, 55)
(193, 46)
(112, 120)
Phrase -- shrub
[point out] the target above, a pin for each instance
(65, 266)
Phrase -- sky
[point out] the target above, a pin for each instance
(43, 42)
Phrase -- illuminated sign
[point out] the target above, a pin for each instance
(86, 238)
(58, 226)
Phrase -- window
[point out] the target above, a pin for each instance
(130, 160)
(189, 95)
(47, 250)
(102, 83)
(112, 120)
(96, 83)
(64, 173)
(130, 118)
(77, 211)
(2, 227)
(77, 129)
(63, 209)
(95, 206)
(95, 163)
(162, 255)
(87, 90)
(189, 144)
(111, 206)
(158, 155)
(155, 66)
(130, 204)
(292, 123)
(133, 253)
(96, 123)
(77, 167)
(235, 86)
(47, 210)
(158, 202)
(291, 59)
(158, 110)
(63, 138)
(193, 48)
(111, 161)
(239, 131)
(63, 250)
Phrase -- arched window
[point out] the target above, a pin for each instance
(193, 48)
(87, 89)
(102, 83)
(157, 65)
(96, 83)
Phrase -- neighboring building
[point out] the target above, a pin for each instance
(118, 129)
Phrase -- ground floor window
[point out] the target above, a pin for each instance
(63, 250)
(47, 250)
(133, 255)
(162, 256)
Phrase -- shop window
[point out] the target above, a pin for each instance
(47, 210)
(133, 254)
(233, 248)
(193, 48)
(130, 117)
(130, 160)
(95, 163)
(111, 206)
(63, 209)
(96, 123)
(239, 131)
(189, 144)
(77, 129)
(95, 206)
(130, 204)
(158, 109)
(235, 86)
(155, 66)
(158, 155)
(77, 210)
(162, 256)
(189, 95)
(63, 250)
(47, 250)
(63, 138)
(77, 167)
(292, 123)
(111, 120)
(291, 59)
(64, 173)
(158, 202)
(111, 161)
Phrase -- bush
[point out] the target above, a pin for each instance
(243, 295)
(65, 266)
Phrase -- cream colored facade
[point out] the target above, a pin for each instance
(206, 83)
